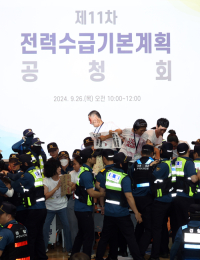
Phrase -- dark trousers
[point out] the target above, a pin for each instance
(180, 207)
(85, 236)
(122, 244)
(160, 213)
(143, 231)
(33, 220)
(164, 247)
(125, 225)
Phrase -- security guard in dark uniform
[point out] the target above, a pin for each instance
(117, 186)
(24, 145)
(12, 167)
(161, 189)
(108, 157)
(84, 203)
(141, 174)
(186, 186)
(37, 157)
(53, 150)
(31, 211)
(187, 241)
(65, 162)
(196, 155)
(13, 235)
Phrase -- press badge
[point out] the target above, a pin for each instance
(38, 174)
(113, 177)
(178, 164)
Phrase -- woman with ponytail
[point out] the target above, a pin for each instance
(173, 139)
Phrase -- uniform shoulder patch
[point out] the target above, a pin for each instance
(103, 170)
(22, 176)
(158, 169)
(1, 237)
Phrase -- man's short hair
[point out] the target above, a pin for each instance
(94, 112)
(163, 122)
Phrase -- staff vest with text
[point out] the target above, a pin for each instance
(36, 193)
(81, 192)
(191, 245)
(114, 192)
(197, 166)
(19, 249)
(141, 174)
(41, 163)
(183, 183)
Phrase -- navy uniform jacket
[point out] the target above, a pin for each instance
(162, 172)
(27, 181)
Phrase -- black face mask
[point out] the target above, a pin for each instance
(36, 149)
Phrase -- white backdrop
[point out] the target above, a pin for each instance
(31, 104)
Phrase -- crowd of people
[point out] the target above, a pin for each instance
(155, 179)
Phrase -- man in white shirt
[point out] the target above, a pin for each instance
(155, 137)
(106, 129)
(133, 141)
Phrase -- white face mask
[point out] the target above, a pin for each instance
(64, 162)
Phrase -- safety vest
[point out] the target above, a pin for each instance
(191, 242)
(19, 249)
(114, 192)
(184, 184)
(163, 187)
(41, 163)
(36, 193)
(197, 165)
(141, 174)
(81, 192)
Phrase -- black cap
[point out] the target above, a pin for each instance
(121, 158)
(168, 147)
(28, 132)
(197, 142)
(87, 153)
(182, 148)
(52, 147)
(25, 158)
(7, 207)
(194, 208)
(88, 142)
(36, 141)
(64, 154)
(14, 157)
(147, 148)
(76, 152)
(108, 154)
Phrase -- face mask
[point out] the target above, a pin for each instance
(36, 149)
(64, 162)
(29, 140)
